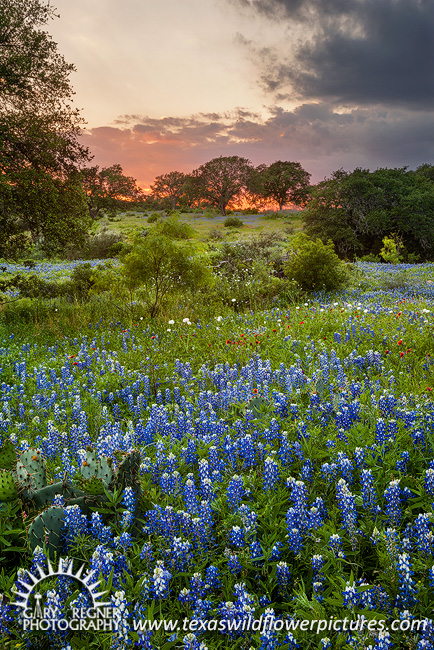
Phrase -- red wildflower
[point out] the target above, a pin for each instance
(124, 330)
(255, 390)
(75, 363)
(387, 352)
(401, 354)
(72, 356)
(428, 388)
(400, 341)
(274, 330)
(228, 341)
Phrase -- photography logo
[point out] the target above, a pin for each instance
(40, 616)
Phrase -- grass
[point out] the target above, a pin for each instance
(296, 440)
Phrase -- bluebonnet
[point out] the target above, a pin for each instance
(402, 463)
(236, 537)
(429, 481)
(235, 492)
(393, 502)
(423, 535)
(369, 494)
(347, 506)
(283, 576)
(335, 543)
(160, 581)
(234, 564)
(407, 591)
(271, 473)
(351, 596)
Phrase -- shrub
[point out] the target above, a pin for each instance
(315, 265)
(175, 229)
(81, 281)
(97, 247)
(215, 234)
(153, 218)
(391, 249)
(233, 222)
(160, 265)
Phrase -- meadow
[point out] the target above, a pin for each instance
(215, 468)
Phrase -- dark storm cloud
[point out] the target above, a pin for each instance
(349, 51)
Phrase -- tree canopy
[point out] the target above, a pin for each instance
(171, 186)
(283, 182)
(107, 189)
(357, 209)
(39, 129)
(223, 180)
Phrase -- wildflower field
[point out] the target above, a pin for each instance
(273, 466)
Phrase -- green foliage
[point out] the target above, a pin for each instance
(356, 210)
(40, 191)
(160, 265)
(233, 222)
(154, 217)
(315, 265)
(174, 228)
(81, 282)
(108, 189)
(391, 248)
(102, 246)
(223, 180)
(282, 182)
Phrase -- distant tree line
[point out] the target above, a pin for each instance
(228, 180)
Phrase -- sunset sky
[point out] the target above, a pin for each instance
(167, 85)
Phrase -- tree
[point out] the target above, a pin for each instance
(108, 189)
(282, 182)
(315, 265)
(161, 265)
(169, 186)
(224, 180)
(358, 209)
(39, 129)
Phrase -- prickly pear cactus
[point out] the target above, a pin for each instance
(31, 464)
(93, 485)
(47, 529)
(45, 495)
(94, 467)
(8, 487)
(128, 472)
(8, 455)
(256, 405)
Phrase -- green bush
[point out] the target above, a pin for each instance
(175, 229)
(160, 265)
(391, 249)
(153, 218)
(315, 265)
(81, 282)
(233, 222)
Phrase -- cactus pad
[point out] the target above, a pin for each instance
(256, 405)
(8, 456)
(8, 488)
(93, 467)
(47, 529)
(34, 464)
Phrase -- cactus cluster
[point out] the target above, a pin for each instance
(25, 476)
(26, 479)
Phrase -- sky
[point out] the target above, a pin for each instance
(167, 85)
